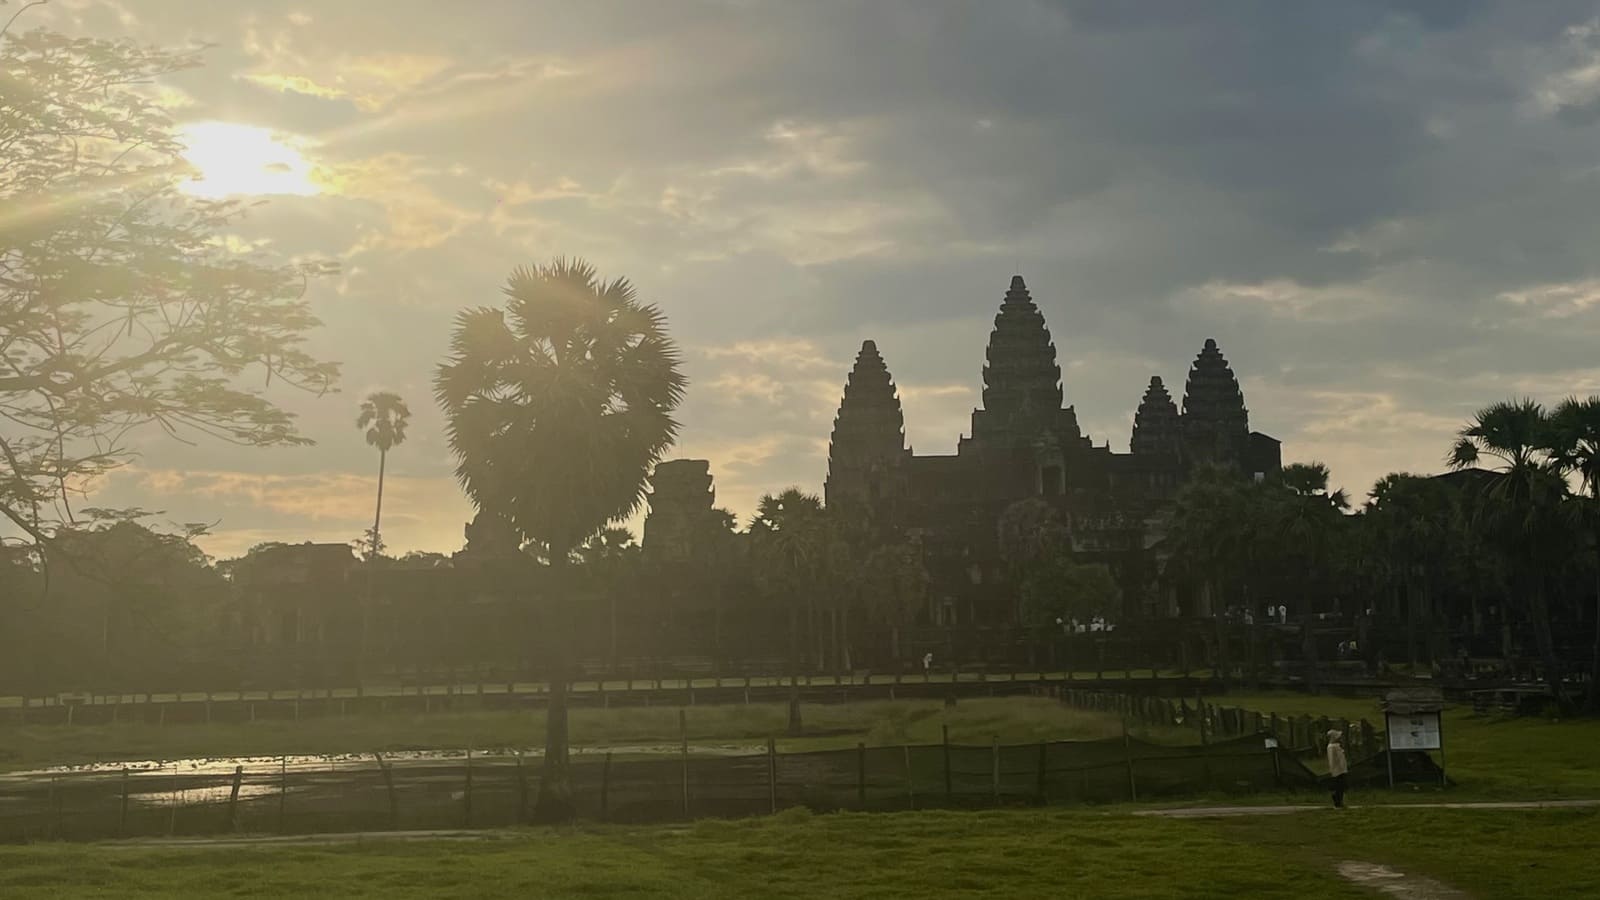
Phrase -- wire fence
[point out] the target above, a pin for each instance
(376, 794)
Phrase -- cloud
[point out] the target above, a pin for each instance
(1384, 213)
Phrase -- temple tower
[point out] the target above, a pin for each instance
(1157, 429)
(1022, 393)
(1216, 425)
(869, 439)
(681, 500)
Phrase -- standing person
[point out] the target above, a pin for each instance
(1338, 766)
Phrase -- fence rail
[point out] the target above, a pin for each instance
(486, 791)
(247, 706)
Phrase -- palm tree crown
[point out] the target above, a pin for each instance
(559, 404)
(385, 416)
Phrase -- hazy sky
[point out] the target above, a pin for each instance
(1385, 213)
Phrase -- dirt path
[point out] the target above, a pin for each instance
(1222, 812)
(1395, 883)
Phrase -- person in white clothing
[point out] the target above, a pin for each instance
(1338, 766)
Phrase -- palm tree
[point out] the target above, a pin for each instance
(556, 408)
(1518, 504)
(1411, 520)
(790, 537)
(384, 416)
(610, 555)
(1574, 439)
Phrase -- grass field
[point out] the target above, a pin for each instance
(1488, 756)
(877, 723)
(1021, 854)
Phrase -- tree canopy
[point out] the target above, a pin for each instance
(122, 305)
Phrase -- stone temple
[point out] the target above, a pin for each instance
(1025, 442)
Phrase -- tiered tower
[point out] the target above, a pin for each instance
(1216, 425)
(869, 438)
(1157, 429)
(681, 500)
(1021, 380)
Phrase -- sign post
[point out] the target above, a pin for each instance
(1414, 720)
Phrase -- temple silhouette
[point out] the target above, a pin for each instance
(1025, 442)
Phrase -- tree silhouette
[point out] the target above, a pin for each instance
(557, 407)
(384, 416)
(1518, 506)
(120, 306)
(790, 538)
(1574, 444)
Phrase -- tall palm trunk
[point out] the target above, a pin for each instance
(377, 518)
(363, 649)
(555, 784)
(1594, 671)
(794, 670)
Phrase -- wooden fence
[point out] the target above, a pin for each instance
(1300, 735)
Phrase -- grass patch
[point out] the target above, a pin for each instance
(1545, 853)
(828, 726)
(1017, 853)
(1000, 854)
(1489, 757)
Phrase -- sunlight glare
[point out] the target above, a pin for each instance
(243, 159)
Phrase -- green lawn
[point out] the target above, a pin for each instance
(1488, 756)
(875, 723)
(1011, 854)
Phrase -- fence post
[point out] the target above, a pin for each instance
(911, 790)
(772, 774)
(466, 794)
(994, 768)
(861, 775)
(172, 818)
(122, 818)
(233, 799)
(1044, 797)
(605, 788)
(522, 790)
(1127, 752)
(283, 789)
(683, 736)
(388, 784)
(949, 794)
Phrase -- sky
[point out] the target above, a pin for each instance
(1385, 213)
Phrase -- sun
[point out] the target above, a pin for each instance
(235, 160)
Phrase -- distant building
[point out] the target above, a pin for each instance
(1026, 443)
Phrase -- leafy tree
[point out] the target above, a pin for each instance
(557, 407)
(790, 538)
(1574, 444)
(1519, 506)
(384, 416)
(1414, 525)
(121, 306)
(1062, 589)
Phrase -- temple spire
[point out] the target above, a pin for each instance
(868, 433)
(1216, 424)
(1157, 430)
(1022, 396)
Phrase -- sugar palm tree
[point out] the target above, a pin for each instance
(1518, 504)
(790, 538)
(384, 416)
(556, 408)
(1574, 439)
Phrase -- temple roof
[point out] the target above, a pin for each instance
(870, 424)
(1212, 392)
(1021, 373)
(1156, 427)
